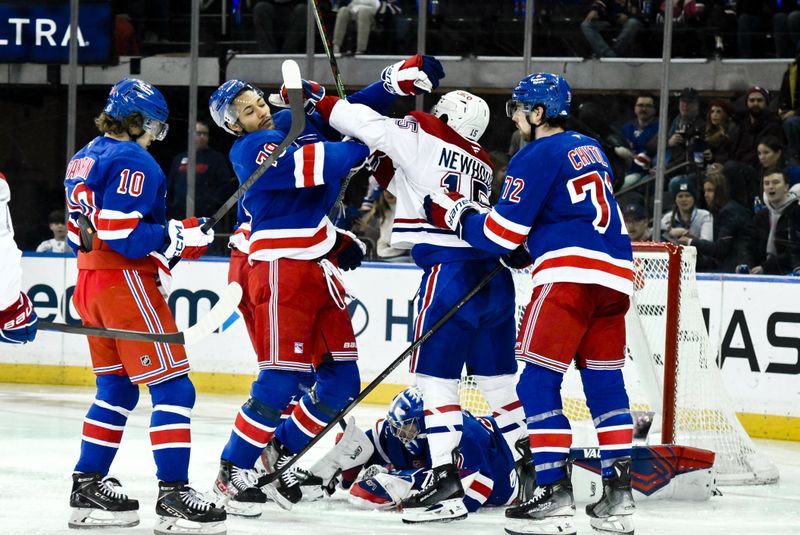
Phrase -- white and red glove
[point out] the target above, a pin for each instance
(414, 76)
(18, 322)
(186, 239)
(348, 251)
(444, 209)
(312, 94)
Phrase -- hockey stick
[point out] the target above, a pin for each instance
(293, 84)
(326, 44)
(269, 478)
(221, 311)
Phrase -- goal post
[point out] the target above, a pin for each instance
(675, 388)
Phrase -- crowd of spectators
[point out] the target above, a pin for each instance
(588, 28)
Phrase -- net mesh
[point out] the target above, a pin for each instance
(703, 416)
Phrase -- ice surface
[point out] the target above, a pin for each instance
(40, 429)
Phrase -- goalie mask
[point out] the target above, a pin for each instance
(406, 419)
(464, 112)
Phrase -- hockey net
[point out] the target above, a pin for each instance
(674, 385)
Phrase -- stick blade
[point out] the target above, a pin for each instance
(220, 312)
(291, 74)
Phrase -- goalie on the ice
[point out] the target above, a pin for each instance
(390, 461)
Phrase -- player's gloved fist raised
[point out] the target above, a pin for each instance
(348, 251)
(414, 76)
(186, 239)
(18, 322)
(444, 209)
(519, 258)
(312, 94)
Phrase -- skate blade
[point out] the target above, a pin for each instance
(235, 507)
(273, 494)
(553, 525)
(171, 526)
(615, 525)
(86, 518)
(444, 511)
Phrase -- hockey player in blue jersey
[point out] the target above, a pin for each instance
(118, 227)
(426, 151)
(295, 289)
(401, 459)
(557, 206)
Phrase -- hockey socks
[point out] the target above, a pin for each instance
(444, 422)
(501, 394)
(170, 433)
(337, 384)
(105, 422)
(611, 415)
(549, 431)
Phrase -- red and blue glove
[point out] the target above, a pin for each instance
(414, 76)
(185, 238)
(348, 251)
(18, 323)
(444, 209)
(312, 94)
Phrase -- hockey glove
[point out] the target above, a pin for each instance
(444, 209)
(348, 251)
(414, 76)
(312, 94)
(18, 323)
(519, 258)
(185, 239)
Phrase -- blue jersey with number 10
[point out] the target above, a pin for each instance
(557, 198)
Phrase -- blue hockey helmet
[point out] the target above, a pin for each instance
(132, 95)
(221, 104)
(541, 89)
(407, 420)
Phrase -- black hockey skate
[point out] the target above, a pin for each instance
(526, 471)
(440, 500)
(285, 490)
(180, 509)
(613, 513)
(236, 490)
(549, 511)
(99, 502)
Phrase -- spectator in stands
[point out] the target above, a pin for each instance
(58, 243)
(685, 129)
(637, 222)
(729, 246)
(280, 26)
(789, 105)
(774, 246)
(720, 128)
(641, 135)
(786, 28)
(771, 155)
(757, 123)
(125, 40)
(214, 180)
(686, 219)
(754, 19)
(604, 15)
(500, 164)
(362, 12)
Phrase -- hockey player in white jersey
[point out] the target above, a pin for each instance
(18, 320)
(429, 151)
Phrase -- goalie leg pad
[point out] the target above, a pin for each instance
(382, 491)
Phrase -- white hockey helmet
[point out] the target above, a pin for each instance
(464, 112)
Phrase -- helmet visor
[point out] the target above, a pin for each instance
(513, 106)
(156, 128)
(405, 431)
